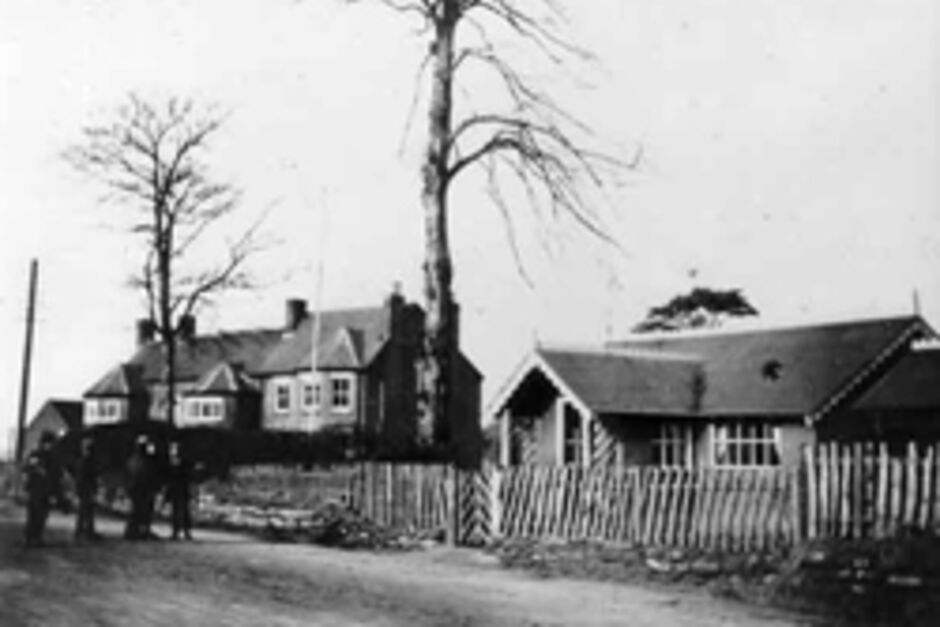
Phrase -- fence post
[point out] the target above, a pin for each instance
(812, 485)
(452, 483)
(496, 502)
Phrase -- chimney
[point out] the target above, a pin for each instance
(186, 330)
(395, 303)
(146, 330)
(295, 312)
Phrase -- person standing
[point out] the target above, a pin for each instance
(178, 493)
(140, 481)
(43, 483)
(86, 488)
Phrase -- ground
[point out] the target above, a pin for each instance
(231, 579)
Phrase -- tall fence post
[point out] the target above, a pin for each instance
(496, 503)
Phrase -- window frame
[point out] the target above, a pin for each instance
(204, 410)
(744, 448)
(674, 441)
(311, 394)
(350, 379)
(280, 385)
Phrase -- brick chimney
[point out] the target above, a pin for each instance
(186, 330)
(395, 305)
(295, 312)
(146, 330)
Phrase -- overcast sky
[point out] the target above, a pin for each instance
(790, 149)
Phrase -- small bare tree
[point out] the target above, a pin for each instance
(152, 159)
(531, 142)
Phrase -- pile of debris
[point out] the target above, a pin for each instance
(331, 524)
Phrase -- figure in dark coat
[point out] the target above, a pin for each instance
(86, 488)
(43, 484)
(178, 481)
(141, 489)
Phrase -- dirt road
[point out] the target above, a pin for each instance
(228, 579)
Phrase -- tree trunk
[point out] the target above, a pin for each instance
(439, 340)
(164, 258)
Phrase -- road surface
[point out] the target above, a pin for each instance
(230, 579)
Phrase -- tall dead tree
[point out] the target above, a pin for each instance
(530, 141)
(152, 160)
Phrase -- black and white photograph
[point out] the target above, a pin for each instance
(469, 312)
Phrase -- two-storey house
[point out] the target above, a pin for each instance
(364, 380)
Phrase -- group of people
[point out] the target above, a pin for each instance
(147, 476)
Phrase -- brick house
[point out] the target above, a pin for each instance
(720, 398)
(365, 378)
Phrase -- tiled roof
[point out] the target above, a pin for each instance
(349, 338)
(224, 379)
(619, 382)
(123, 380)
(196, 357)
(785, 371)
(913, 384)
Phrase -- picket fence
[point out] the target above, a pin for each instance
(860, 490)
(839, 491)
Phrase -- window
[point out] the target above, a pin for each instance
(574, 436)
(746, 443)
(282, 397)
(202, 410)
(102, 411)
(341, 392)
(673, 445)
(311, 394)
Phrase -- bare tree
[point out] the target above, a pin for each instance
(531, 142)
(152, 160)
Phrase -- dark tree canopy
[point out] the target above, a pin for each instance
(702, 307)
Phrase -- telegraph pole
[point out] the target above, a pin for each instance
(27, 359)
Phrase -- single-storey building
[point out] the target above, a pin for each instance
(729, 398)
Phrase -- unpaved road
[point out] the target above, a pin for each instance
(228, 579)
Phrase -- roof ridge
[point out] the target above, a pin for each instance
(760, 326)
(619, 351)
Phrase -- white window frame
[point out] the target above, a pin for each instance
(279, 385)
(311, 393)
(204, 410)
(350, 380)
(757, 444)
(674, 445)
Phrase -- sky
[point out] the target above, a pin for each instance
(789, 149)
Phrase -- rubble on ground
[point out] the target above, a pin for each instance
(330, 524)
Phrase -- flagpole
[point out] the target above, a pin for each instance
(316, 326)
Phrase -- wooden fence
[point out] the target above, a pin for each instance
(848, 491)
(861, 491)
(706, 508)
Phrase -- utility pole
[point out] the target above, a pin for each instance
(27, 359)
